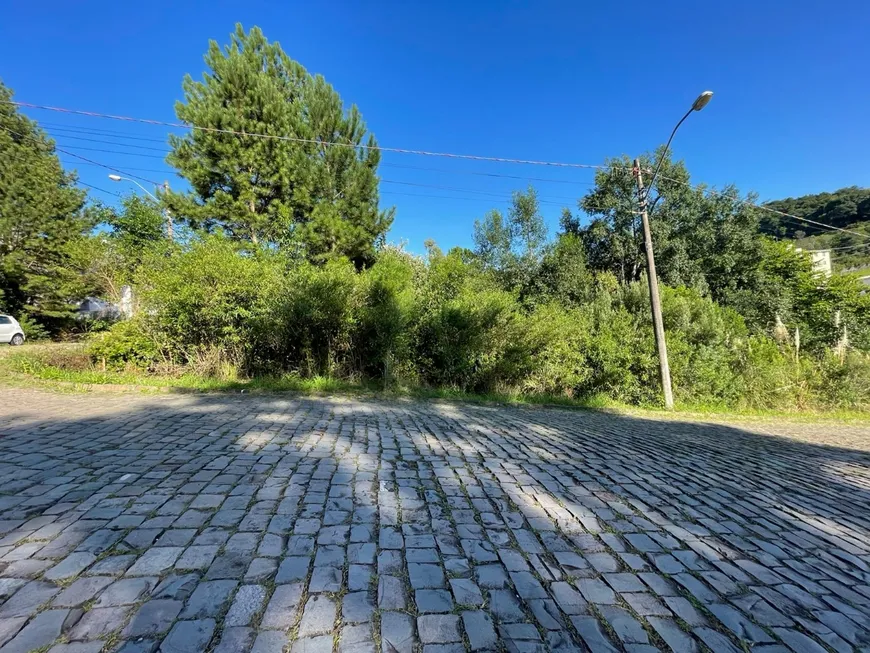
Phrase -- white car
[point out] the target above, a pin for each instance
(10, 330)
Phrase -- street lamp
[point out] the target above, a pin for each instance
(655, 302)
(133, 181)
(701, 102)
(166, 213)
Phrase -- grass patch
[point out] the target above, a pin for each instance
(30, 365)
(66, 367)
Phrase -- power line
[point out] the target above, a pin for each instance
(102, 190)
(546, 200)
(384, 191)
(470, 199)
(313, 141)
(122, 135)
(96, 131)
(470, 172)
(72, 163)
(488, 174)
(472, 157)
(104, 151)
(557, 200)
(77, 156)
(705, 189)
(462, 190)
(97, 140)
(113, 169)
(838, 249)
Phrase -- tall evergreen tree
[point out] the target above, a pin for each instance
(41, 213)
(290, 189)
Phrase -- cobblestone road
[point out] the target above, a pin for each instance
(198, 523)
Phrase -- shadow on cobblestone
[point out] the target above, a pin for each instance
(232, 523)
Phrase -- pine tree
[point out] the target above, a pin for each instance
(41, 213)
(300, 194)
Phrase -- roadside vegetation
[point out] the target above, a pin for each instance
(280, 277)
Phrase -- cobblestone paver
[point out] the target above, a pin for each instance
(253, 523)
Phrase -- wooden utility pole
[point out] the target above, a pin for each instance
(655, 302)
(170, 230)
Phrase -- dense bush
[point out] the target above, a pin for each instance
(449, 322)
(389, 301)
(33, 330)
(124, 344)
(844, 383)
(208, 297)
(307, 324)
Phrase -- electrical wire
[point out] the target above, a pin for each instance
(102, 165)
(102, 190)
(96, 131)
(382, 192)
(84, 148)
(55, 127)
(472, 157)
(77, 156)
(488, 174)
(470, 172)
(704, 188)
(97, 140)
(838, 249)
(75, 163)
(470, 199)
(547, 199)
(313, 141)
(462, 190)
(122, 135)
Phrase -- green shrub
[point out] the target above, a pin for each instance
(33, 330)
(389, 302)
(621, 356)
(469, 334)
(209, 296)
(472, 342)
(123, 345)
(768, 376)
(704, 341)
(219, 311)
(309, 323)
(560, 341)
(844, 383)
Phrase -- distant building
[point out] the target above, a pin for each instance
(821, 260)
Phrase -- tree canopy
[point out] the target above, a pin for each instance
(704, 240)
(41, 214)
(512, 245)
(108, 258)
(306, 182)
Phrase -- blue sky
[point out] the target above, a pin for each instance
(561, 81)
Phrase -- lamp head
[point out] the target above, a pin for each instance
(115, 177)
(702, 100)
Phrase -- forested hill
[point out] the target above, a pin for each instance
(847, 208)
